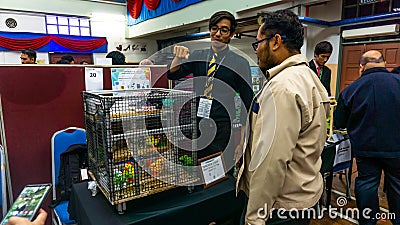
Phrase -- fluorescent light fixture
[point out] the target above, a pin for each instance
(392, 29)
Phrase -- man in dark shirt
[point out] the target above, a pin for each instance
(221, 77)
(28, 56)
(322, 52)
(369, 109)
(68, 58)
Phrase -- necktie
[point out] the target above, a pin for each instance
(319, 72)
(210, 76)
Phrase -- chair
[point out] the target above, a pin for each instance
(346, 169)
(60, 142)
(340, 167)
(343, 165)
(328, 168)
(328, 158)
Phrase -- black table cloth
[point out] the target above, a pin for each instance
(177, 206)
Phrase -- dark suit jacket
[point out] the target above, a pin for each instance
(325, 78)
(233, 72)
(369, 109)
(232, 75)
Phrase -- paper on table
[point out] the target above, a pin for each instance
(93, 78)
(103, 61)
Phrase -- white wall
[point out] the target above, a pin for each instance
(12, 57)
(107, 20)
(112, 22)
(113, 27)
(194, 13)
(25, 23)
(179, 22)
(64, 7)
(331, 11)
(201, 12)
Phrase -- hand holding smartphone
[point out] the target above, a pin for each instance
(28, 203)
(40, 219)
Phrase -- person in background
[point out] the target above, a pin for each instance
(322, 52)
(232, 78)
(28, 56)
(83, 62)
(396, 70)
(40, 219)
(369, 109)
(146, 62)
(63, 61)
(282, 158)
(118, 58)
(68, 58)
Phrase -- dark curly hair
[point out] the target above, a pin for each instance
(218, 16)
(284, 22)
(69, 58)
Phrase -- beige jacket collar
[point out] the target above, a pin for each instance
(291, 61)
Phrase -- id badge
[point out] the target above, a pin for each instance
(204, 108)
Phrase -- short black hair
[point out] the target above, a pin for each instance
(63, 61)
(69, 58)
(284, 22)
(396, 70)
(323, 47)
(30, 53)
(218, 16)
(118, 58)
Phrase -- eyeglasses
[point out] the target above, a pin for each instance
(223, 30)
(255, 44)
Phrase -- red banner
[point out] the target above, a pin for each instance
(152, 4)
(18, 44)
(134, 7)
(79, 45)
(21, 44)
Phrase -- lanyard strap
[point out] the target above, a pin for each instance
(210, 79)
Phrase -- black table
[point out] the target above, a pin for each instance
(177, 206)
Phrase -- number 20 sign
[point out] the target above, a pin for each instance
(93, 78)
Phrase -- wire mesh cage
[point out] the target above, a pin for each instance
(140, 142)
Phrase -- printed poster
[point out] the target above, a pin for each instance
(130, 78)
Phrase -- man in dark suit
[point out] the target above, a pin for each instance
(322, 52)
(232, 79)
(369, 109)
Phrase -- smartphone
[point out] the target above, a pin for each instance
(28, 202)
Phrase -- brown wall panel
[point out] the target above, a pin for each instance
(38, 101)
(352, 54)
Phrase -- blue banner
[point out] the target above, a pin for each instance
(165, 6)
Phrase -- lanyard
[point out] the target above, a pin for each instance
(218, 65)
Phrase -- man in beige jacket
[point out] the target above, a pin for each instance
(281, 163)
